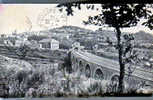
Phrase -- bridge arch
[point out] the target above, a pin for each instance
(115, 81)
(88, 71)
(98, 74)
(114, 78)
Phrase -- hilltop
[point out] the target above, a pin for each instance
(69, 30)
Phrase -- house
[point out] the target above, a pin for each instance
(9, 41)
(18, 43)
(76, 44)
(49, 43)
(21, 41)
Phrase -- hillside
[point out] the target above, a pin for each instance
(140, 37)
(69, 29)
(107, 33)
(143, 37)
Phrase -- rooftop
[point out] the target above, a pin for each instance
(48, 40)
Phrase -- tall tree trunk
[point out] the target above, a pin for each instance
(122, 65)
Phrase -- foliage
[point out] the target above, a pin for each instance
(22, 51)
(64, 46)
(67, 63)
(36, 37)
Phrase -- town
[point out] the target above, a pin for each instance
(44, 53)
(67, 37)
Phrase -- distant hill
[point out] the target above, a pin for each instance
(69, 29)
(143, 37)
(140, 37)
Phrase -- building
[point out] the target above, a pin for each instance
(49, 43)
(21, 41)
(18, 43)
(8, 42)
(76, 44)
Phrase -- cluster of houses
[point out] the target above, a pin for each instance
(50, 43)
(17, 40)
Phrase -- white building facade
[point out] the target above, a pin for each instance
(51, 44)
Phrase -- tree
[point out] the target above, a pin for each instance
(22, 51)
(117, 16)
(36, 37)
(67, 62)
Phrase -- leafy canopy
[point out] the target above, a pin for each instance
(115, 15)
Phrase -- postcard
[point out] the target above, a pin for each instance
(76, 50)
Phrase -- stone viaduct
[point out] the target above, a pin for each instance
(101, 68)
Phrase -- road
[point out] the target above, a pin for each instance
(91, 98)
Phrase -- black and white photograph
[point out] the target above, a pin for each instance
(76, 51)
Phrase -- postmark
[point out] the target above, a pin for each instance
(50, 18)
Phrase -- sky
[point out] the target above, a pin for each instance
(30, 17)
